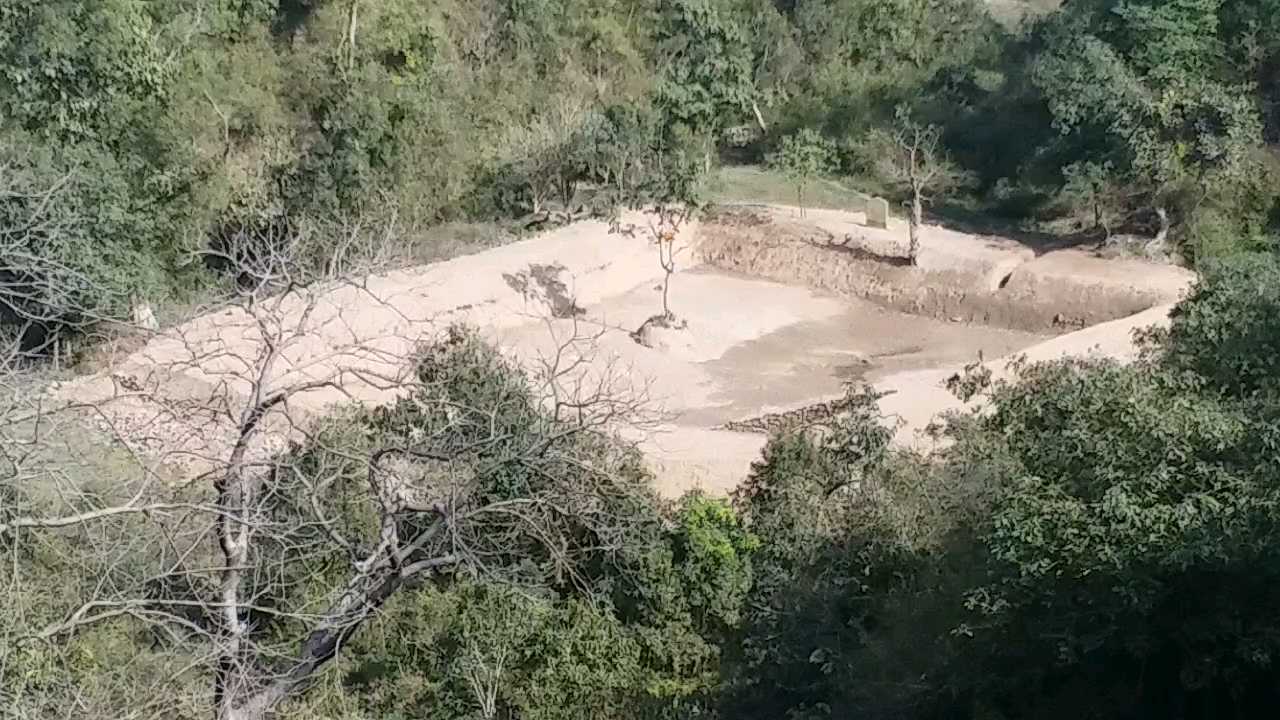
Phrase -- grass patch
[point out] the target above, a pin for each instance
(751, 183)
(455, 239)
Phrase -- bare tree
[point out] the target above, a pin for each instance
(663, 230)
(266, 531)
(911, 156)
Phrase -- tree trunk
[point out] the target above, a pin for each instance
(1158, 247)
(235, 499)
(668, 263)
(666, 289)
(1162, 235)
(351, 36)
(913, 228)
(759, 117)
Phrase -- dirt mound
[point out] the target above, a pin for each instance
(963, 278)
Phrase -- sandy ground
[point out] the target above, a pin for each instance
(752, 346)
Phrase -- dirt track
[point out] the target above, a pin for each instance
(753, 345)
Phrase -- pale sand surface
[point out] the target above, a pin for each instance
(752, 346)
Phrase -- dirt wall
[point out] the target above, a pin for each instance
(960, 278)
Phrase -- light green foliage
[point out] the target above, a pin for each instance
(639, 640)
(492, 651)
(713, 558)
(803, 157)
(47, 576)
(754, 184)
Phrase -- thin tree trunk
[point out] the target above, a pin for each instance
(666, 289)
(669, 267)
(351, 36)
(913, 228)
(1162, 235)
(1159, 245)
(759, 117)
(232, 536)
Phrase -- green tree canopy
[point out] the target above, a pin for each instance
(1098, 540)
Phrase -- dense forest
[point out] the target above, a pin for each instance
(1097, 543)
(148, 145)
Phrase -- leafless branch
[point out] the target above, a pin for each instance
(242, 475)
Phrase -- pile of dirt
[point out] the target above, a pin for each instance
(960, 278)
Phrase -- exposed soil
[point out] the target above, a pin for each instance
(836, 307)
(543, 282)
(963, 278)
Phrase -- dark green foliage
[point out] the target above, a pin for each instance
(79, 235)
(1098, 542)
(78, 70)
(236, 126)
(1225, 335)
(705, 65)
(446, 652)
(239, 126)
(1141, 86)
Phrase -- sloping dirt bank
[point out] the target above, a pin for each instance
(960, 278)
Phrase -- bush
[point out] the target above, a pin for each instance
(79, 238)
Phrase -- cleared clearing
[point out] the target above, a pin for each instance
(834, 305)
